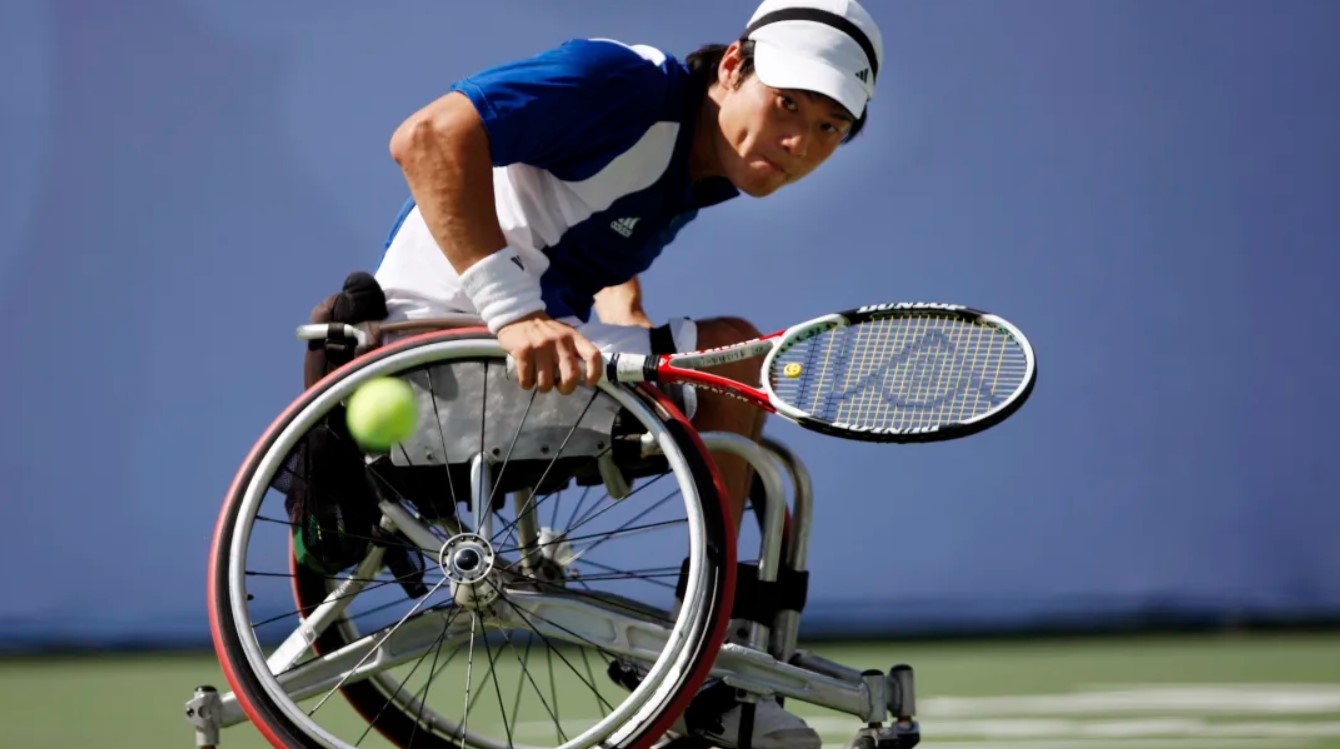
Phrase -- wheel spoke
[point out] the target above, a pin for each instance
(596, 596)
(605, 535)
(578, 508)
(436, 648)
(591, 682)
(371, 612)
(530, 503)
(507, 457)
(497, 689)
(442, 436)
(469, 668)
(374, 649)
(586, 518)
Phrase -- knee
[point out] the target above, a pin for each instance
(723, 331)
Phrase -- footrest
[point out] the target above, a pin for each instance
(900, 735)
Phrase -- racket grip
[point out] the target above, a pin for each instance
(628, 368)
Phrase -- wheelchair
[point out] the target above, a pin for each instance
(526, 570)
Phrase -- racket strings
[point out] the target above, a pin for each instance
(907, 372)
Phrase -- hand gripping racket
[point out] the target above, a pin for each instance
(905, 372)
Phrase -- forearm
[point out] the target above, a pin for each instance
(443, 151)
(622, 304)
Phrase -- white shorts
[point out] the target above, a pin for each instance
(421, 284)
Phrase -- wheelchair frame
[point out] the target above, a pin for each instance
(767, 663)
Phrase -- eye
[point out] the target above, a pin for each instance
(788, 103)
(833, 130)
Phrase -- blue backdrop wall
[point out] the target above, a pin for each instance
(1148, 189)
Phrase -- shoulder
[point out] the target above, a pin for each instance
(600, 54)
(586, 67)
(612, 60)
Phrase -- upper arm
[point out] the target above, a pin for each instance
(452, 114)
(622, 304)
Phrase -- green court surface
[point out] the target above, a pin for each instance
(1168, 692)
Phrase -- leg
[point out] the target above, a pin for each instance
(766, 725)
(722, 724)
(718, 412)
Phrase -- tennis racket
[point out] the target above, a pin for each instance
(905, 372)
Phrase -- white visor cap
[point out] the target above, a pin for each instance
(830, 47)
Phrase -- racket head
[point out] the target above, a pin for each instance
(901, 372)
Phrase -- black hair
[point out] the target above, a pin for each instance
(704, 61)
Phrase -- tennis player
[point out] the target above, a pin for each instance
(543, 187)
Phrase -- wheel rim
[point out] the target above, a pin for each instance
(623, 718)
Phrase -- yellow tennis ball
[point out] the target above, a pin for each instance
(382, 412)
(791, 370)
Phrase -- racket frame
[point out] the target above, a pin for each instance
(685, 369)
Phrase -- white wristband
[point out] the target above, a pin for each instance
(501, 289)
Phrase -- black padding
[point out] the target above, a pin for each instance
(662, 340)
(361, 300)
(704, 712)
(759, 601)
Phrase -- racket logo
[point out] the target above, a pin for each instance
(899, 306)
(864, 429)
(728, 392)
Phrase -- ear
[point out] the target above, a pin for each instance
(728, 72)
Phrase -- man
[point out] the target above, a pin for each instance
(542, 188)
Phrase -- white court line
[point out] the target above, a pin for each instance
(1323, 687)
(1292, 699)
(1104, 744)
(1092, 733)
(1173, 718)
(1059, 728)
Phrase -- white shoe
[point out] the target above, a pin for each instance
(774, 728)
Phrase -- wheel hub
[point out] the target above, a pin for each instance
(467, 561)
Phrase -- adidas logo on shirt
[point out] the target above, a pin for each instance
(864, 75)
(624, 226)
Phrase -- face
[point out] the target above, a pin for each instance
(772, 137)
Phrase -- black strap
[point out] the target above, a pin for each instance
(703, 715)
(827, 19)
(662, 340)
(756, 600)
(759, 601)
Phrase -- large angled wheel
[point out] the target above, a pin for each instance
(529, 599)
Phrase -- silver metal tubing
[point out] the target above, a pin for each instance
(743, 667)
(820, 665)
(415, 530)
(527, 529)
(787, 627)
(802, 514)
(481, 484)
(315, 622)
(774, 512)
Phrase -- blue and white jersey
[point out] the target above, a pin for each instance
(590, 145)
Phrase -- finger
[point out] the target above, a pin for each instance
(544, 368)
(568, 373)
(525, 369)
(591, 356)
